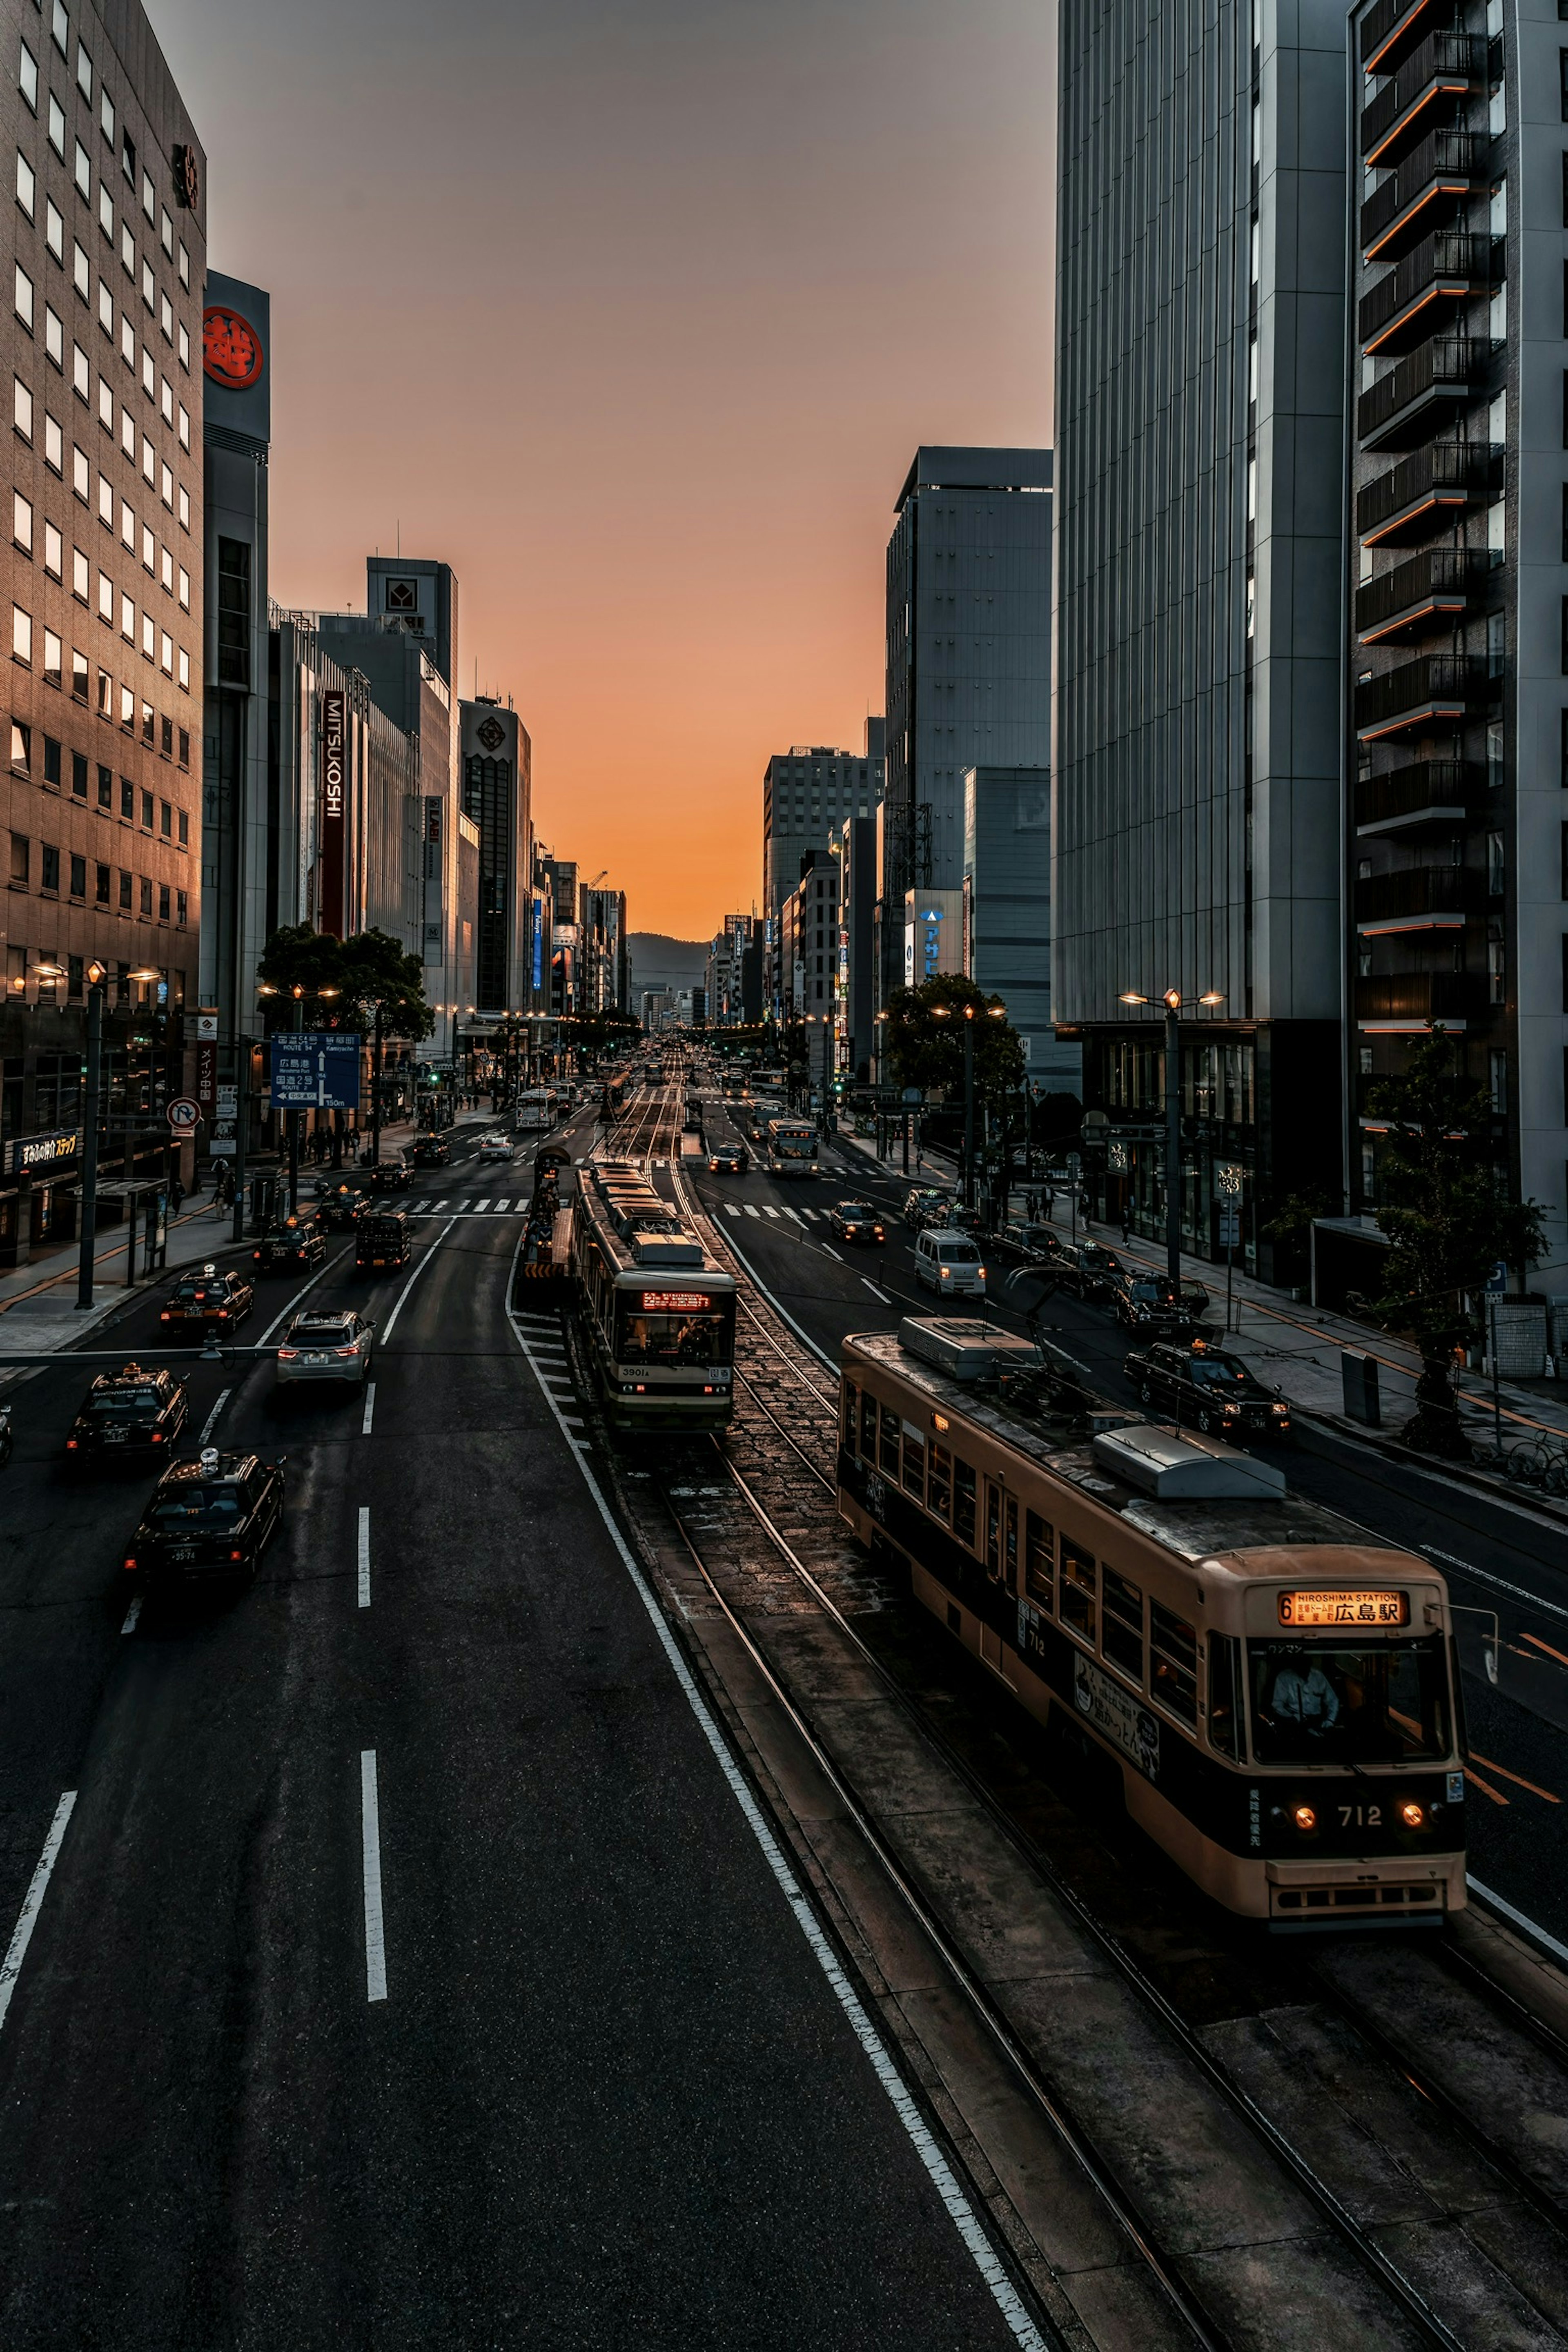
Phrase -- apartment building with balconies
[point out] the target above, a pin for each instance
(1457, 712)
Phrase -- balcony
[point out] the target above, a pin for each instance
(1413, 400)
(1390, 31)
(1426, 592)
(1421, 697)
(1407, 1000)
(1431, 488)
(1430, 796)
(1439, 74)
(1420, 195)
(1424, 293)
(1420, 898)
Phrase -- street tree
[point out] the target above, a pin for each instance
(1450, 1221)
(341, 978)
(922, 1049)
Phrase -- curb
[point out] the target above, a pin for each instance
(1463, 1474)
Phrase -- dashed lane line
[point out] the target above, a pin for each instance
(402, 1293)
(32, 1901)
(368, 1422)
(370, 1847)
(211, 1421)
(364, 1556)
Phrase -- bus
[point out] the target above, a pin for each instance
(1272, 1695)
(790, 1146)
(657, 1311)
(535, 1111)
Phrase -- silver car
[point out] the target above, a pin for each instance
(327, 1344)
(496, 1146)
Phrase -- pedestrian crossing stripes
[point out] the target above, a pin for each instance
(482, 1208)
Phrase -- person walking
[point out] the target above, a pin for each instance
(1126, 1222)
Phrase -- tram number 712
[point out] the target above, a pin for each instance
(1364, 1817)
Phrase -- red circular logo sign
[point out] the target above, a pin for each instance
(231, 348)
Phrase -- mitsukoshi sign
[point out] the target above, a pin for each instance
(334, 799)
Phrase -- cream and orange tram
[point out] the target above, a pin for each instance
(1278, 1697)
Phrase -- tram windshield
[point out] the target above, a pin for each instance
(696, 1336)
(1372, 1703)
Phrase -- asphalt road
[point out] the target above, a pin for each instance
(610, 2097)
(1503, 1563)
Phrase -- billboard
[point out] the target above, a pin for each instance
(311, 1071)
(334, 794)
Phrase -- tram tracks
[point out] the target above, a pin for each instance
(1451, 2209)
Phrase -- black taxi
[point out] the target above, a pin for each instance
(134, 1411)
(432, 1152)
(341, 1206)
(1207, 1389)
(297, 1241)
(209, 1301)
(211, 1517)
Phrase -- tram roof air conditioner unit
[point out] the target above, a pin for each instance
(667, 1249)
(963, 1351)
(1186, 1469)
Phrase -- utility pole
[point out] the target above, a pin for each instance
(97, 976)
(294, 1116)
(969, 1106)
(1173, 1140)
(373, 1006)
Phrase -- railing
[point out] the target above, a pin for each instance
(1441, 678)
(1418, 997)
(1448, 362)
(1426, 784)
(1457, 58)
(1447, 571)
(1420, 890)
(1457, 471)
(1380, 22)
(1454, 257)
(1442, 154)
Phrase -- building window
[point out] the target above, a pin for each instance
(124, 891)
(22, 410)
(21, 861)
(21, 634)
(52, 760)
(146, 812)
(180, 907)
(234, 613)
(162, 902)
(185, 828)
(185, 759)
(26, 184)
(106, 788)
(145, 901)
(23, 298)
(22, 522)
(27, 76)
(54, 552)
(49, 868)
(127, 800)
(78, 877)
(101, 886)
(79, 775)
(56, 117)
(53, 656)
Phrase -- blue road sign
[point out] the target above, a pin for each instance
(315, 1071)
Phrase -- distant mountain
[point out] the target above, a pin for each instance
(659, 961)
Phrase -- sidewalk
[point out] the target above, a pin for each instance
(1296, 1348)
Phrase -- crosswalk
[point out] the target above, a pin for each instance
(482, 1207)
(750, 1208)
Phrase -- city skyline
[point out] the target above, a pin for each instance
(687, 292)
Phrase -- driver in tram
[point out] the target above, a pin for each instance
(1303, 1693)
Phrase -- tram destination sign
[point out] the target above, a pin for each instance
(674, 1302)
(1321, 1608)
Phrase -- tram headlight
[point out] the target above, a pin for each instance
(1304, 1817)
(1414, 1816)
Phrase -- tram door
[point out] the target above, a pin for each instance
(1001, 1536)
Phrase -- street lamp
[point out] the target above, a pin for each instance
(993, 1013)
(1171, 1001)
(373, 1006)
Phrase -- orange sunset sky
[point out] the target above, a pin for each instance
(635, 314)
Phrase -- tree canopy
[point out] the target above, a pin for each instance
(923, 1043)
(371, 966)
(1447, 1213)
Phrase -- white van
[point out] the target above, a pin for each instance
(950, 1264)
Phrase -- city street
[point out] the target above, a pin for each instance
(1500, 1560)
(407, 1972)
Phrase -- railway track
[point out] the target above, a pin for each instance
(1348, 2091)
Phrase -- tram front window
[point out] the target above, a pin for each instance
(694, 1337)
(1375, 1703)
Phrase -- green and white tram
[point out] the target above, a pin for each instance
(658, 1313)
(1277, 1698)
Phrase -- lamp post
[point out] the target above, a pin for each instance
(993, 1013)
(96, 974)
(1171, 1001)
(373, 1006)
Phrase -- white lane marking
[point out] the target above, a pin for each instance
(796, 1216)
(1519, 1918)
(874, 1291)
(364, 1555)
(505, 1204)
(808, 1212)
(324, 1268)
(767, 1211)
(414, 1277)
(211, 1421)
(730, 1210)
(938, 2170)
(1498, 1583)
(752, 1211)
(370, 1837)
(828, 1252)
(481, 1204)
(457, 1205)
(22, 1934)
(369, 1409)
(131, 1615)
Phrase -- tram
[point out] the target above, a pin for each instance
(1277, 1697)
(659, 1312)
(790, 1146)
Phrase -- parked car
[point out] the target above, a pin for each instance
(728, 1159)
(1207, 1389)
(327, 1343)
(210, 1518)
(209, 1301)
(950, 1264)
(134, 1410)
(1031, 1244)
(1088, 1269)
(298, 1242)
(432, 1152)
(1152, 1304)
(855, 1220)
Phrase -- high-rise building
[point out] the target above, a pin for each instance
(1196, 633)
(496, 762)
(1455, 874)
(808, 793)
(103, 565)
(1007, 913)
(604, 957)
(855, 995)
(968, 630)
